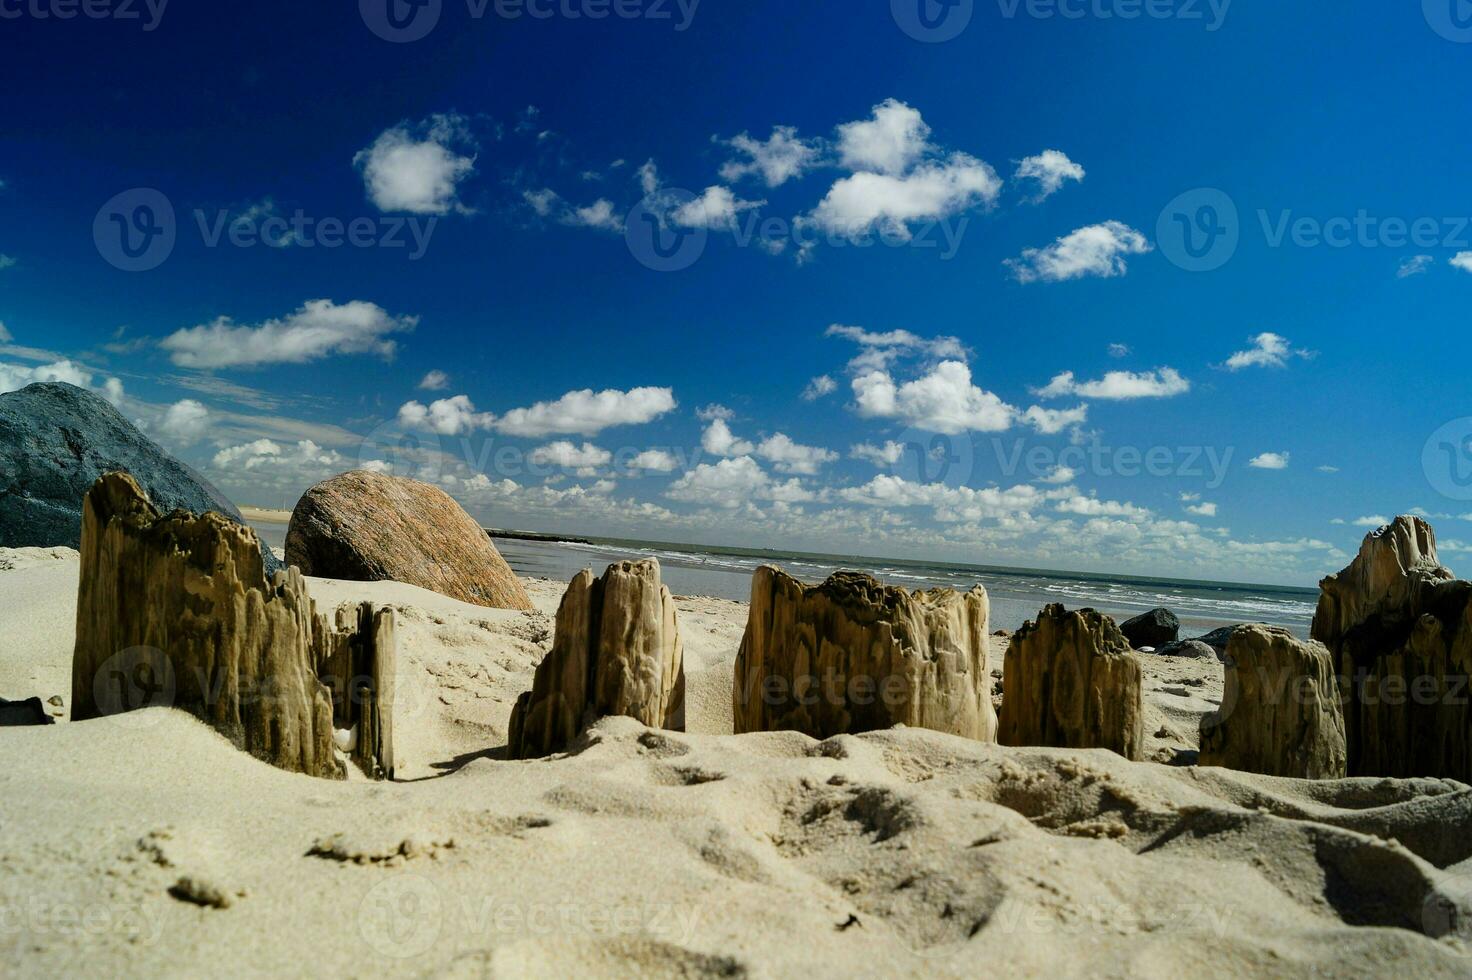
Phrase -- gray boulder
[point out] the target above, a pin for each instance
(1156, 628)
(1189, 648)
(56, 440)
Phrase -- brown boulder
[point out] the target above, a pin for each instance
(1400, 628)
(1071, 681)
(616, 651)
(854, 655)
(1280, 711)
(369, 527)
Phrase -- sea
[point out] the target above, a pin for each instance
(1016, 593)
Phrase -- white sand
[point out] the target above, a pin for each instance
(677, 854)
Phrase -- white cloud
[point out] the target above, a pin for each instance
(1267, 350)
(719, 440)
(819, 387)
(778, 159)
(541, 201)
(879, 350)
(716, 208)
(1414, 266)
(792, 457)
(1373, 520)
(733, 484)
(943, 400)
(112, 390)
(585, 459)
(1097, 250)
(6, 262)
(648, 176)
(710, 412)
(434, 381)
(1207, 509)
(1269, 461)
(1061, 475)
(1119, 350)
(5, 336)
(418, 168)
(270, 464)
(600, 214)
(889, 142)
(321, 327)
(1050, 169)
(1050, 421)
(588, 413)
(1327, 469)
(13, 377)
(447, 416)
(1118, 385)
(1094, 507)
(881, 456)
(654, 461)
(185, 422)
(863, 202)
(950, 504)
(1462, 260)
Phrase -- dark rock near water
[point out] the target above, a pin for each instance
(1156, 628)
(28, 712)
(1218, 639)
(56, 440)
(1190, 648)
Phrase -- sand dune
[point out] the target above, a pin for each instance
(145, 843)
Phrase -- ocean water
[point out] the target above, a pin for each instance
(1016, 594)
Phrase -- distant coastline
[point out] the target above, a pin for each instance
(535, 536)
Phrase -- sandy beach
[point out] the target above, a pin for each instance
(145, 844)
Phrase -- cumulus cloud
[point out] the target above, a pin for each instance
(880, 349)
(185, 422)
(735, 483)
(1118, 385)
(787, 456)
(943, 400)
(418, 168)
(1462, 260)
(447, 416)
(434, 381)
(1049, 169)
(719, 440)
(588, 413)
(541, 201)
(1094, 507)
(654, 461)
(13, 377)
(1269, 461)
(1267, 350)
(320, 328)
(1372, 520)
(1060, 475)
(600, 214)
(889, 142)
(716, 208)
(1119, 350)
(883, 456)
(864, 202)
(819, 387)
(950, 504)
(1205, 509)
(777, 159)
(585, 459)
(1049, 421)
(1096, 250)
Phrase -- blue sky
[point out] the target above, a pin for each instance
(993, 223)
